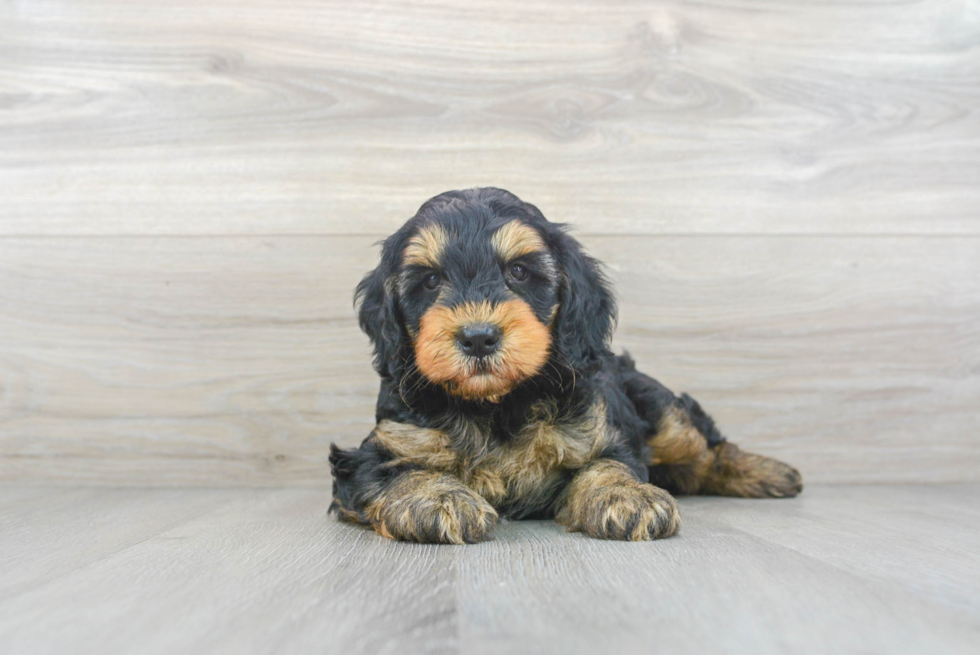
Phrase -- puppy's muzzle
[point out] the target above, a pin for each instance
(478, 339)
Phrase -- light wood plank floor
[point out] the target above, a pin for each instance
(876, 569)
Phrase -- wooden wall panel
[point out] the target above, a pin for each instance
(787, 193)
(204, 361)
(220, 361)
(330, 117)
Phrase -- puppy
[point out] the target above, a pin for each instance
(500, 397)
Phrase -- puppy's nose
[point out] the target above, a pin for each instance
(479, 340)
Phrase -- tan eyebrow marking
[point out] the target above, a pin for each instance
(426, 247)
(515, 239)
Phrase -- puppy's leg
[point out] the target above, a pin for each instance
(689, 455)
(606, 501)
(406, 502)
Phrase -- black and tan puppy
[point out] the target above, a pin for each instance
(499, 395)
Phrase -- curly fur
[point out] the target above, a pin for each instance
(550, 424)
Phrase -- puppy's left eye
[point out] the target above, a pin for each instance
(518, 272)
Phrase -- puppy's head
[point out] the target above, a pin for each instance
(479, 290)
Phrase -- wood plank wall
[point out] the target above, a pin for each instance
(787, 195)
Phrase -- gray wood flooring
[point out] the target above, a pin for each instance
(875, 569)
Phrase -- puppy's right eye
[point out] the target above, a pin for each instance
(432, 280)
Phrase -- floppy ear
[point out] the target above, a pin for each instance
(379, 317)
(587, 312)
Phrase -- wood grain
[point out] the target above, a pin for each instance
(839, 569)
(327, 117)
(786, 192)
(262, 565)
(227, 361)
(202, 361)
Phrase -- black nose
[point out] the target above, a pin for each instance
(479, 340)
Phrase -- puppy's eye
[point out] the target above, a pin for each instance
(432, 280)
(518, 272)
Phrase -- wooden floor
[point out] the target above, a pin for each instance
(785, 194)
(876, 569)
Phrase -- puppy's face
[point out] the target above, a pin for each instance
(478, 293)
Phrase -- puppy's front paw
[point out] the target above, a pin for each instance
(607, 502)
(433, 508)
(631, 512)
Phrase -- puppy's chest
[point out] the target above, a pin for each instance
(525, 468)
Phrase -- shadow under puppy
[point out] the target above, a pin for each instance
(499, 395)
